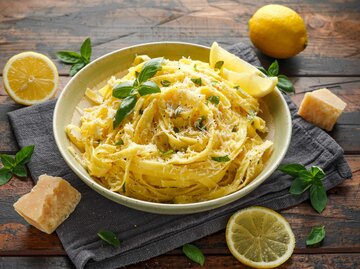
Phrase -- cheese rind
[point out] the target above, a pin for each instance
(322, 108)
(48, 204)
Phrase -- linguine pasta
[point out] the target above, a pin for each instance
(197, 139)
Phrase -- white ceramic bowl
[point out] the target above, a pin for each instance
(118, 61)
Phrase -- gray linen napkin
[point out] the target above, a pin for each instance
(145, 235)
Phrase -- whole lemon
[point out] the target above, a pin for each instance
(278, 31)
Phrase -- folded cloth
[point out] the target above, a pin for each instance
(145, 235)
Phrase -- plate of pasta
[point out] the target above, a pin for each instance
(171, 127)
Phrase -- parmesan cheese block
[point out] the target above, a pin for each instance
(322, 108)
(48, 204)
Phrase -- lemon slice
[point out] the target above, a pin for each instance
(254, 84)
(231, 61)
(259, 237)
(30, 78)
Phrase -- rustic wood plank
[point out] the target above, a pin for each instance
(17, 238)
(345, 133)
(297, 261)
(51, 25)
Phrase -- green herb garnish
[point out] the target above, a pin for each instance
(316, 235)
(176, 129)
(168, 152)
(120, 142)
(284, 83)
(214, 99)
(194, 253)
(195, 67)
(219, 64)
(15, 166)
(130, 90)
(77, 60)
(165, 83)
(307, 179)
(197, 81)
(109, 237)
(200, 123)
(221, 159)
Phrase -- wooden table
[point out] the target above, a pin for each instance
(332, 60)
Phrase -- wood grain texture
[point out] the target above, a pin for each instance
(297, 261)
(48, 26)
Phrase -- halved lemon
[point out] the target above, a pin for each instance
(254, 84)
(231, 61)
(260, 237)
(30, 78)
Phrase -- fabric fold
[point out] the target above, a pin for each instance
(146, 235)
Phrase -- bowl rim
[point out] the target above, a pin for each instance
(154, 207)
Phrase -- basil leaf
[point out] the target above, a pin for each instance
(273, 69)
(7, 161)
(109, 237)
(262, 69)
(20, 170)
(85, 50)
(149, 69)
(165, 83)
(68, 57)
(317, 172)
(299, 185)
(194, 253)
(318, 197)
(219, 64)
(214, 99)
(76, 68)
(5, 176)
(292, 169)
(120, 142)
(316, 235)
(221, 159)
(148, 87)
(200, 123)
(126, 107)
(123, 89)
(24, 155)
(285, 85)
(197, 81)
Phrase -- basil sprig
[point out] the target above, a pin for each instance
(130, 90)
(109, 237)
(307, 179)
(316, 235)
(197, 81)
(194, 253)
(284, 83)
(15, 166)
(77, 60)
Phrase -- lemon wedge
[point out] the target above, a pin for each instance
(260, 237)
(231, 61)
(254, 84)
(30, 78)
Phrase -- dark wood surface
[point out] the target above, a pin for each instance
(332, 60)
